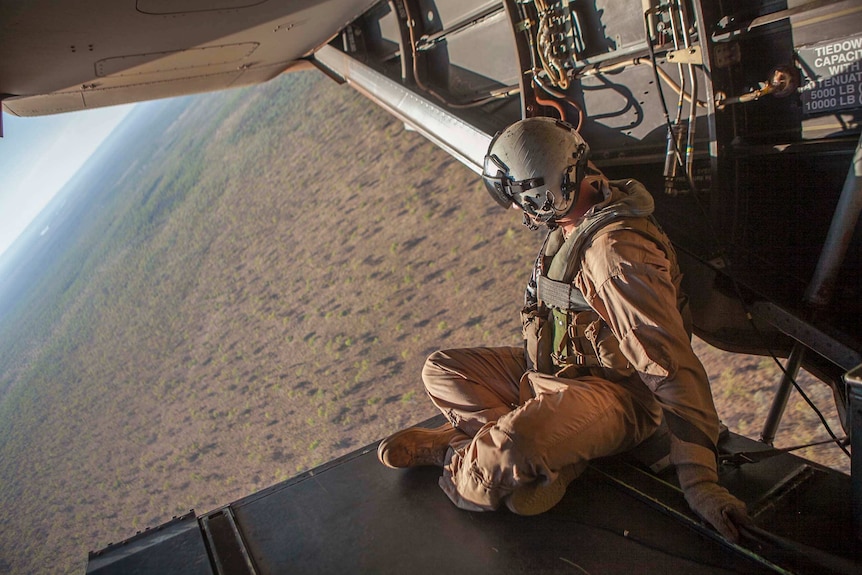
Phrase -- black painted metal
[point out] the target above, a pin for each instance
(354, 515)
(226, 544)
(175, 548)
(358, 516)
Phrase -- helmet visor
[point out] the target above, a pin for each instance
(502, 187)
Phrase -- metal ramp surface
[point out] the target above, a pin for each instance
(353, 515)
(358, 516)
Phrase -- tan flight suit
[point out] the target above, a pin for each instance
(521, 425)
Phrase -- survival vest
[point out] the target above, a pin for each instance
(564, 336)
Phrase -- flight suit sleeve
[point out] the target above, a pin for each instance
(628, 280)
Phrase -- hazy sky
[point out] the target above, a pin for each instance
(39, 155)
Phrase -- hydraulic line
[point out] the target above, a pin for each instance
(676, 45)
(692, 113)
(844, 222)
(495, 95)
(550, 103)
(678, 131)
(552, 65)
(642, 61)
(559, 96)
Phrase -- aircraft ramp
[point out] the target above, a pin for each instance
(354, 515)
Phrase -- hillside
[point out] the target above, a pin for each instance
(251, 295)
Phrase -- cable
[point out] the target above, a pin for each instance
(790, 378)
(643, 61)
(411, 23)
(552, 65)
(564, 98)
(550, 103)
(662, 101)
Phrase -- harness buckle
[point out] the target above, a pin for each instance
(573, 359)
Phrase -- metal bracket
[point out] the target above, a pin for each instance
(227, 547)
(691, 55)
(726, 55)
(828, 347)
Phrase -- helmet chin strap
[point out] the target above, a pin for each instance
(568, 187)
(533, 223)
(530, 222)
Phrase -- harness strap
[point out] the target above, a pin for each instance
(572, 347)
(581, 355)
(561, 295)
(578, 359)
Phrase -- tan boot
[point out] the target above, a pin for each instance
(537, 497)
(416, 446)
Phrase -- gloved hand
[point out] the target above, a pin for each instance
(715, 504)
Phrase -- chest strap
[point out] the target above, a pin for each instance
(561, 295)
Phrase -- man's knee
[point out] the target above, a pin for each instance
(445, 365)
(437, 365)
(435, 361)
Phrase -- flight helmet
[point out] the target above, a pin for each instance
(537, 164)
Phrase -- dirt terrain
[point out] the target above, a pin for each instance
(300, 256)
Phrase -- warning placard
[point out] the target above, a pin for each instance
(832, 75)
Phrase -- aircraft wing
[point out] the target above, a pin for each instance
(66, 56)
